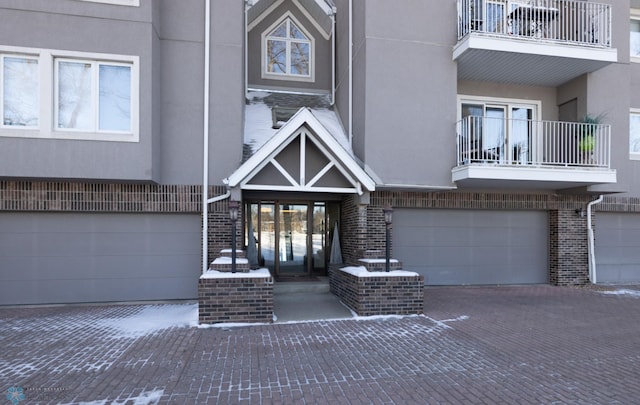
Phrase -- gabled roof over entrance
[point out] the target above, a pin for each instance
(302, 156)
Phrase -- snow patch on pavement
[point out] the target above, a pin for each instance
(152, 319)
(146, 398)
(631, 293)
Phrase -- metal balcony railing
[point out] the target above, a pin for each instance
(496, 141)
(560, 21)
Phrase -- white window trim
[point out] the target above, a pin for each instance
(632, 155)
(47, 128)
(263, 53)
(130, 3)
(511, 102)
(21, 56)
(634, 15)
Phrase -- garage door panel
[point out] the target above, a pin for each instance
(473, 246)
(52, 258)
(617, 241)
(614, 273)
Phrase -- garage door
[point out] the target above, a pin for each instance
(61, 258)
(617, 248)
(458, 247)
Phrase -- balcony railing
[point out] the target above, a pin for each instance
(497, 141)
(559, 21)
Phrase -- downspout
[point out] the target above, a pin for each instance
(205, 161)
(246, 47)
(351, 73)
(591, 242)
(333, 56)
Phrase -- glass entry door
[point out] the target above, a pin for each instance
(293, 239)
(288, 238)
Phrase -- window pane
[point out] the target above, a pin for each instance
(276, 56)
(295, 33)
(299, 58)
(634, 134)
(20, 99)
(635, 38)
(280, 31)
(74, 96)
(115, 98)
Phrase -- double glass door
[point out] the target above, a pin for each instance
(289, 238)
(499, 132)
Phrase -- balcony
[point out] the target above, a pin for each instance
(498, 152)
(532, 42)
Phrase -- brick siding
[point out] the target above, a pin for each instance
(230, 300)
(368, 296)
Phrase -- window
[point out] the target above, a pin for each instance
(634, 40)
(20, 91)
(634, 134)
(68, 95)
(93, 96)
(499, 131)
(287, 51)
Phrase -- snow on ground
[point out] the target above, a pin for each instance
(152, 319)
(631, 293)
(146, 398)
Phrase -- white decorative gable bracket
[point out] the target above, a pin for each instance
(304, 157)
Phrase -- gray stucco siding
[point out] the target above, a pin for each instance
(47, 156)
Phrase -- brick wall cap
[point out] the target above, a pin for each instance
(362, 271)
(378, 260)
(259, 273)
(238, 251)
(227, 260)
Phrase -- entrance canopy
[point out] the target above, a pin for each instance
(302, 156)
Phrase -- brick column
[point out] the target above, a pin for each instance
(568, 248)
(353, 230)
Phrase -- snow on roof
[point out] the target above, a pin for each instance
(258, 124)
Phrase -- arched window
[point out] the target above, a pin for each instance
(288, 51)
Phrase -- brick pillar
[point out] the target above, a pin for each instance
(220, 229)
(568, 248)
(354, 230)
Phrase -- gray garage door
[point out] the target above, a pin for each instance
(457, 247)
(617, 248)
(60, 258)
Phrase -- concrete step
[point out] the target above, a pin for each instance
(292, 287)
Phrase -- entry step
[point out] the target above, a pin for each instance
(320, 285)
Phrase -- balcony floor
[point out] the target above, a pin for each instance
(530, 177)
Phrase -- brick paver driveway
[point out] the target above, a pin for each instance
(491, 345)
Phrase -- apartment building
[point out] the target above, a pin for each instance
(505, 135)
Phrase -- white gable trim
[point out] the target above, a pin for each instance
(326, 35)
(323, 140)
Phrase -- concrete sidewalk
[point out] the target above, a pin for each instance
(492, 345)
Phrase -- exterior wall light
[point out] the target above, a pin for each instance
(233, 215)
(388, 218)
